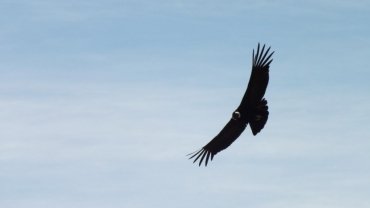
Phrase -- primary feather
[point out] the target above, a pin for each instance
(253, 109)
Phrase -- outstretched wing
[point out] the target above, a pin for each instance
(227, 136)
(259, 79)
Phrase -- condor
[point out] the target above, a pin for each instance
(253, 109)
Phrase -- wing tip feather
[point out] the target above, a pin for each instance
(203, 155)
(262, 58)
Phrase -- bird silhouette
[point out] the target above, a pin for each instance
(253, 109)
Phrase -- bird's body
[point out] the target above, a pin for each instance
(253, 109)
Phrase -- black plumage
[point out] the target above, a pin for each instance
(253, 109)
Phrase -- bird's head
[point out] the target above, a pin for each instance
(236, 115)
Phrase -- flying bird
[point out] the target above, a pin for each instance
(253, 109)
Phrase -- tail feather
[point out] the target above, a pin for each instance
(260, 118)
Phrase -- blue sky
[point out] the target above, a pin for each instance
(100, 101)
